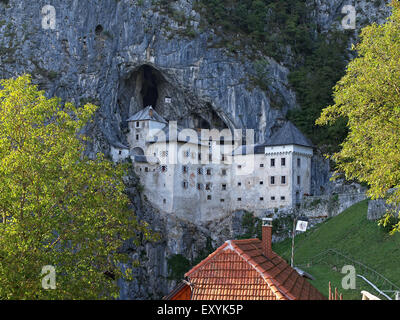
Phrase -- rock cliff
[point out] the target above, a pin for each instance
(125, 54)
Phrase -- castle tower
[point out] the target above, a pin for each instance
(143, 125)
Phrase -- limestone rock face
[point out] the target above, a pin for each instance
(125, 54)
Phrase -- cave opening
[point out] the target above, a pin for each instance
(149, 91)
(98, 30)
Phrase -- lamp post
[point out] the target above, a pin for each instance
(298, 225)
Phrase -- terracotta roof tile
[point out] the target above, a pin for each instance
(239, 271)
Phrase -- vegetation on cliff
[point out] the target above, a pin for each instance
(284, 31)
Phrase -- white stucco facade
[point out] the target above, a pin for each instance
(180, 177)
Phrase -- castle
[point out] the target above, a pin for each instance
(198, 176)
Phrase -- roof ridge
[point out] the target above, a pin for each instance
(278, 278)
(262, 271)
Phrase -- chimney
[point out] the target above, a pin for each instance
(266, 240)
(151, 112)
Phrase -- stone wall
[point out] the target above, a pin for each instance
(378, 208)
(326, 206)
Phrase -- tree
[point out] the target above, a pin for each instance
(368, 97)
(58, 207)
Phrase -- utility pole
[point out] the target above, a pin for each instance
(293, 232)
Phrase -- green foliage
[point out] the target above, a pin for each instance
(140, 187)
(252, 226)
(52, 74)
(57, 207)
(268, 24)
(368, 96)
(178, 265)
(315, 203)
(269, 28)
(282, 225)
(208, 249)
(389, 223)
(262, 74)
(313, 82)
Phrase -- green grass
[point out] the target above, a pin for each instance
(353, 235)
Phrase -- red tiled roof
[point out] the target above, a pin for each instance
(181, 292)
(239, 271)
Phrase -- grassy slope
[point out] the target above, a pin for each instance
(353, 235)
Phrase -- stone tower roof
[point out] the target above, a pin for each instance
(147, 113)
(287, 135)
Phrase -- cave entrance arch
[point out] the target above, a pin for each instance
(149, 90)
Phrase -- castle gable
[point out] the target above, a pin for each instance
(147, 114)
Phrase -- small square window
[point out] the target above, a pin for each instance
(298, 180)
(239, 184)
(165, 201)
(283, 198)
(208, 197)
(224, 172)
(261, 165)
(146, 169)
(137, 137)
(224, 187)
(239, 199)
(283, 179)
(184, 169)
(262, 199)
(283, 162)
(272, 180)
(273, 198)
(185, 184)
(222, 200)
(200, 171)
(209, 172)
(272, 162)
(208, 186)
(298, 162)
(261, 182)
(199, 186)
(137, 124)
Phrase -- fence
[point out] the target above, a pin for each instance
(334, 258)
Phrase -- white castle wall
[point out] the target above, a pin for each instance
(207, 190)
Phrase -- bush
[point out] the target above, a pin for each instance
(178, 265)
(388, 222)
